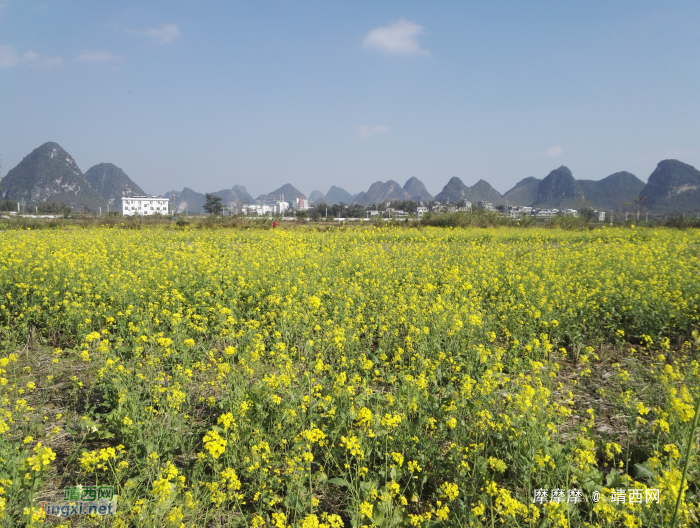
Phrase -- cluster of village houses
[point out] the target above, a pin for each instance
(510, 210)
(273, 205)
(277, 206)
(515, 211)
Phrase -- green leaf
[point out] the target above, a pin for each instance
(643, 472)
(339, 482)
(291, 501)
(613, 479)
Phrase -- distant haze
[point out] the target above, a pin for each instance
(208, 95)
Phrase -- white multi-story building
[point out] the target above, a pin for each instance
(265, 209)
(516, 211)
(257, 209)
(144, 205)
(301, 204)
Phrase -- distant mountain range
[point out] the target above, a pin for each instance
(288, 191)
(673, 186)
(377, 193)
(417, 191)
(335, 195)
(49, 174)
(189, 201)
(559, 189)
(112, 183)
(456, 191)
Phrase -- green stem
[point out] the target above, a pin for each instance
(627, 453)
(568, 510)
(311, 483)
(691, 443)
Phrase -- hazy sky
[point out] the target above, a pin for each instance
(260, 93)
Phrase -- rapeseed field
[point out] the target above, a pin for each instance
(366, 377)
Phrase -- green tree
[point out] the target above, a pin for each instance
(214, 204)
(8, 205)
(54, 208)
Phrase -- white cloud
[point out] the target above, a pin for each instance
(164, 33)
(9, 57)
(96, 56)
(553, 152)
(367, 131)
(398, 38)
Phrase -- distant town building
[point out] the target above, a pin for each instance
(265, 209)
(144, 205)
(421, 210)
(516, 211)
(257, 209)
(600, 215)
(301, 204)
(545, 212)
(485, 205)
(271, 199)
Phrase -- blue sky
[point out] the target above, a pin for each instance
(261, 93)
